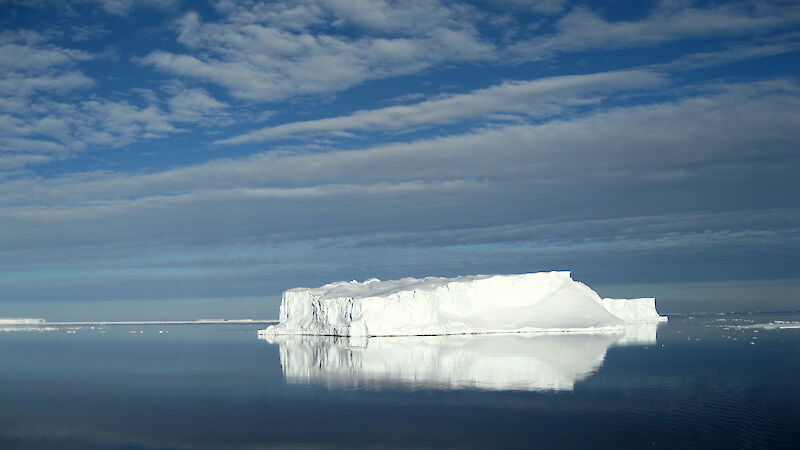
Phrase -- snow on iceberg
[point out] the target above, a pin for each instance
(531, 302)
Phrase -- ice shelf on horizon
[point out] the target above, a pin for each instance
(531, 302)
(21, 321)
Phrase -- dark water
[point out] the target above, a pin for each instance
(702, 385)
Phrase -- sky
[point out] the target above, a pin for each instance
(220, 152)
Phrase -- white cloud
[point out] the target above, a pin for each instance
(195, 105)
(537, 98)
(58, 126)
(26, 85)
(698, 181)
(30, 145)
(39, 117)
(410, 17)
(583, 29)
(278, 50)
(258, 58)
(17, 161)
(734, 53)
(16, 56)
(714, 168)
(29, 65)
(724, 128)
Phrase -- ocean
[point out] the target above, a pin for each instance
(697, 381)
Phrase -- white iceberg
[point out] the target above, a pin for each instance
(20, 328)
(528, 362)
(633, 310)
(532, 302)
(21, 321)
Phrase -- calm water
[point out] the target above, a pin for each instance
(702, 384)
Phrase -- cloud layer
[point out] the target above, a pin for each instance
(242, 147)
(683, 174)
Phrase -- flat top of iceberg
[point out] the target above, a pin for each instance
(375, 287)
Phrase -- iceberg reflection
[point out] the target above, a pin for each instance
(530, 362)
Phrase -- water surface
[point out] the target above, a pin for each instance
(702, 383)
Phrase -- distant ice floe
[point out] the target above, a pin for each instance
(20, 321)
(18, 324)
(774, 325)
(531, 302)
(24, 328)
(529, 362)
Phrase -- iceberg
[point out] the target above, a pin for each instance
(13, 324)
(475, 304)
(20, 328)
(498, 362)
(633, 310)
(21, 321)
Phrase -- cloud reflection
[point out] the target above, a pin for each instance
(526, 362)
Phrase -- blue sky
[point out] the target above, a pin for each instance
(229, 150)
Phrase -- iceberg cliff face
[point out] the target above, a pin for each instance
(545, 301)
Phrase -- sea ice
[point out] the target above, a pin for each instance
(20, 321)
(532, 302)
(18, 328)
(774, 325)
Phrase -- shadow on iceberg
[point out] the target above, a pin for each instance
(526, 362)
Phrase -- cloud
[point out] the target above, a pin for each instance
(609, 172)
(30, 65)
(21, 53)
(25, 86)
(31, 145)
(698, 154)
(736, 52)
(256, 57)
(19, 160)
(39, 117)
(76, 126)
(410, 17)
(700, 186)
(583, 29)
(92, 124)
(196, 106)
(269, 52)
(537, 98)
